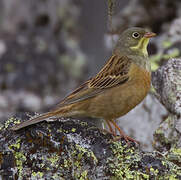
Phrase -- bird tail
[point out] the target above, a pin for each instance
(34, 120)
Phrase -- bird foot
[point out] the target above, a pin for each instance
(127, 139)
(122, 135)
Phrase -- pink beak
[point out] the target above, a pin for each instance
(149, 34)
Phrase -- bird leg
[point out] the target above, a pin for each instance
(110, 128)
(123, 135)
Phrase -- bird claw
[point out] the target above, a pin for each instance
(127, 139)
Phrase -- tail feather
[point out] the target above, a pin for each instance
(32, 121)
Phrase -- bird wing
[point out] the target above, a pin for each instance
(115, 72)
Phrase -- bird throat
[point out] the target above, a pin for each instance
(141, 47)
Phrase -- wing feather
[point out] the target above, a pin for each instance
(114, 73)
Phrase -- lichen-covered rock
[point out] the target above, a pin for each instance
(167, 83)
(168, 134)
(74, 149)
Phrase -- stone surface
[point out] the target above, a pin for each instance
(168, 134)
(55, 42)
(73, 149)
(167, 83)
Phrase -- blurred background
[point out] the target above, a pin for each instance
(49, 47)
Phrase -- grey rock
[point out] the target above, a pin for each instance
(167, 83)
(74, 149)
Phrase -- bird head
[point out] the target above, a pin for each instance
(134, 41)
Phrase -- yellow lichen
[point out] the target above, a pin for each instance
(11, 120)
(73, 129)
(84, 175)
(37, 174)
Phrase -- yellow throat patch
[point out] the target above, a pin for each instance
(142, 46)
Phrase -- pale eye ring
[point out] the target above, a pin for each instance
(135, 35)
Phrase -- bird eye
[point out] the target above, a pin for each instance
(136, 35)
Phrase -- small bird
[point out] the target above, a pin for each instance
(121, 84)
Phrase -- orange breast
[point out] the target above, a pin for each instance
(141, 77)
